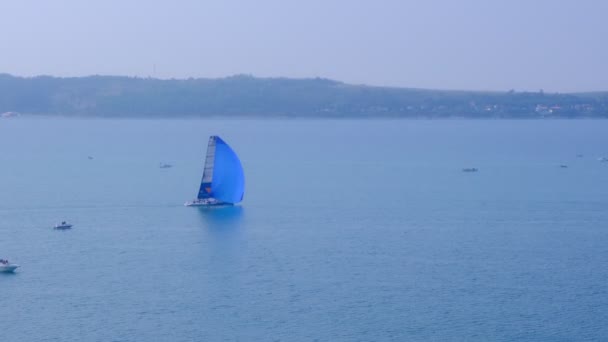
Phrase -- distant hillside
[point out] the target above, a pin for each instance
(247, 96)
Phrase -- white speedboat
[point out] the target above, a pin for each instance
(7, 267)
(63, 225)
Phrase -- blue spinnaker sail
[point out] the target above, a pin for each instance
(227, 183)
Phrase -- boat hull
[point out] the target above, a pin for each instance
(8, 268)
(207, 203)
(63, 227)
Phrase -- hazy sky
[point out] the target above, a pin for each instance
(556, 45)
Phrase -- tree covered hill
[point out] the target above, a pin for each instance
(247, 96)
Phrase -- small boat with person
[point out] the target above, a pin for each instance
(63, 225)
(469, 169)
(223, 181)
(7, 267)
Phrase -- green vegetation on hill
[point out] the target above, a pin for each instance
(247, 96)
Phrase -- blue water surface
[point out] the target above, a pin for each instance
(349, 231)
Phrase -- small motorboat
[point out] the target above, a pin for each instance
(165, 166)
(63, 225)
(469, 169)
(7, 267)
(564, 166)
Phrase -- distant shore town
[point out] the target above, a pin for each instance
(248, 96)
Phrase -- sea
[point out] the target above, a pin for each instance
(350, 230)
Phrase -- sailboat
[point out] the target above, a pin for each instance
(223, 180)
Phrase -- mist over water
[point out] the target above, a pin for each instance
(349, 230)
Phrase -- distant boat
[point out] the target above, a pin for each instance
(579, 155)
(602, 159)
(563, 166)
(7, 267)
(165, 166)
(9, 114)
(63, 225)
(470, 169)
(223, 180)
(90, 158)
